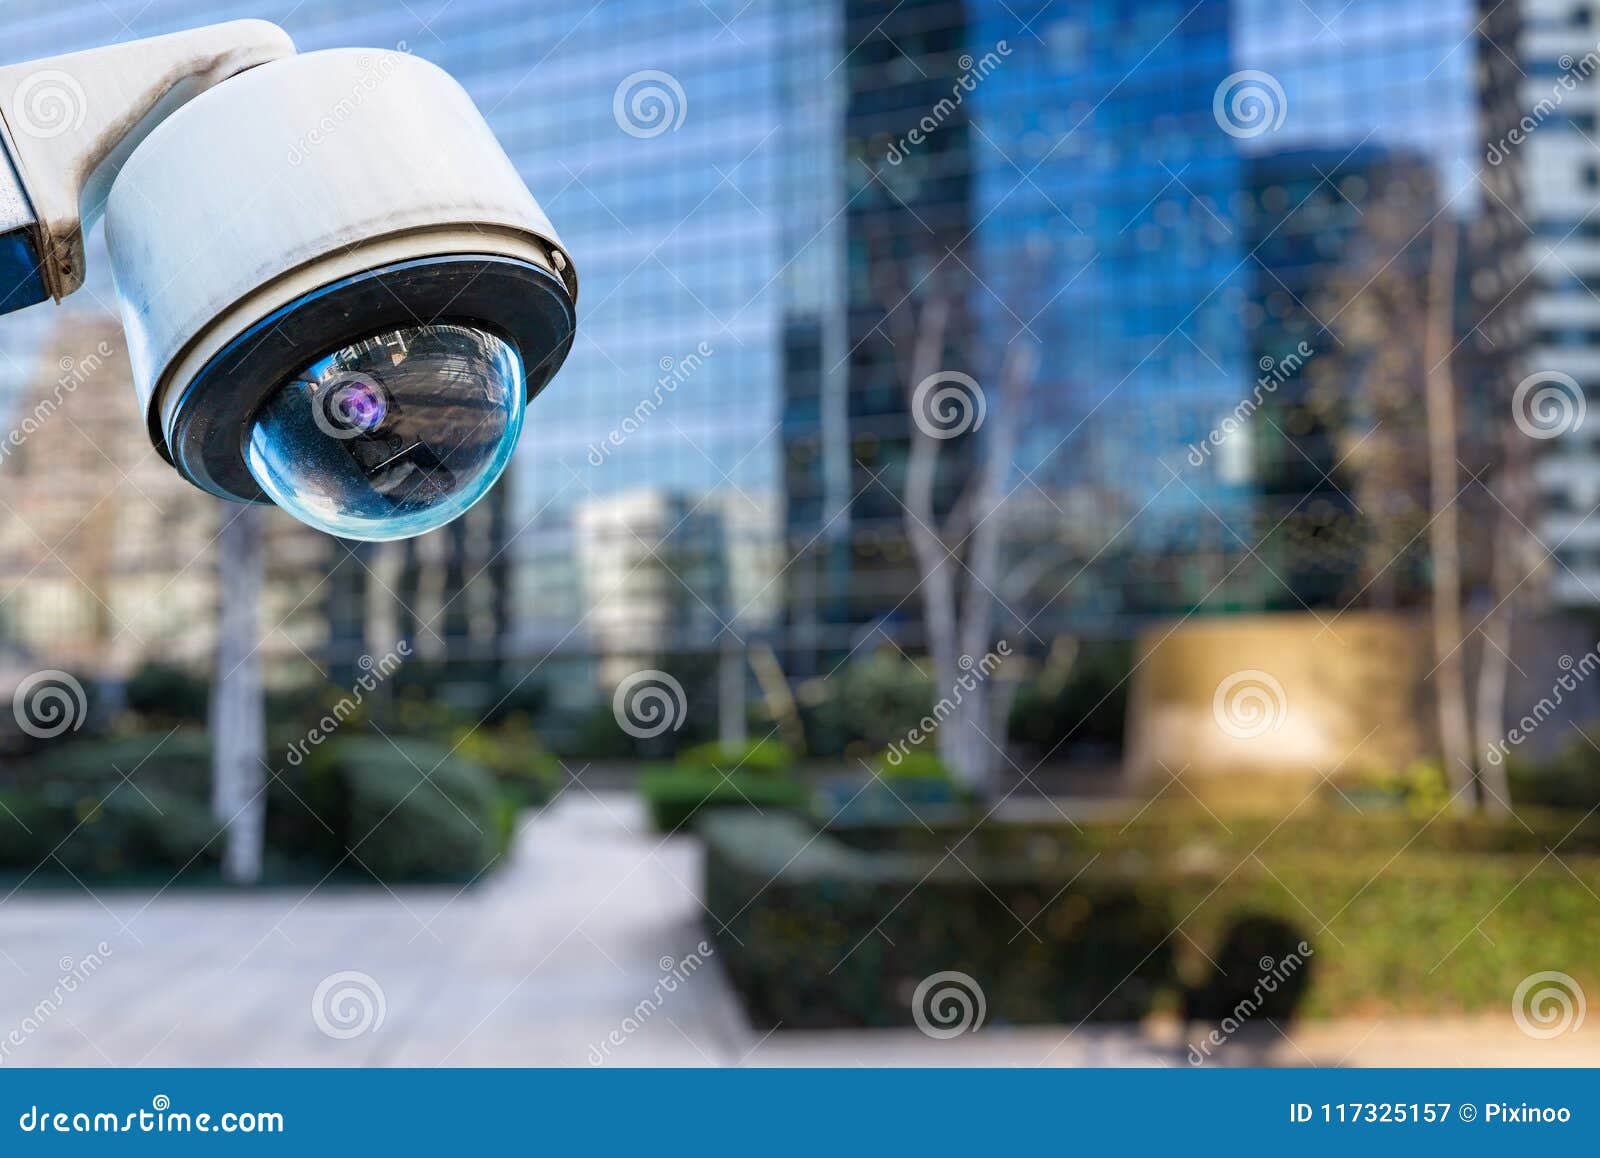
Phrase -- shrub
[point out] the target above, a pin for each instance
(1571, 779)
(523, 771)
(74, 803)
(409, 809)
(916, 764)
(918, 789)
(125, 833)
(866, 705)
(766, 755)
(159, 691)
(820, 935)
(675, 796)
(170, 761)
(837, 929)
(1420, 788)
(44, 706)
(1086, 709)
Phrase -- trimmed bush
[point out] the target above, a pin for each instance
(159, 691)
(169, 761)
(918, 790)
(125, 834)
(69, 808)
(821, 935)
(912, 764)
(410, 809)
(527, 775)
(676, 796)
(767, 755)
(1391, 907)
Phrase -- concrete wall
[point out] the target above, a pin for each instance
(1281, 695)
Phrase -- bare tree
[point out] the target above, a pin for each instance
(1426, 463)
(1466, 734)
(1444, 528)
(238, 729)
(958, 556)
(1493, 667)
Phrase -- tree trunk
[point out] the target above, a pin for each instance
(983, 561)
(730, 693)
(238, 729)
(1444, 536)
(1493, 671)
(1492, 676)
(934, 564)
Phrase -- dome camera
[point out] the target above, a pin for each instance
(338, 294)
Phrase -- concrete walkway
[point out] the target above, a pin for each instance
(537, 965)
(582, 950)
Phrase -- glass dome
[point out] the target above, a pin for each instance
(391, 436)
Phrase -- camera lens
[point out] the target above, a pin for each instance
(391, 436)
(353, 403)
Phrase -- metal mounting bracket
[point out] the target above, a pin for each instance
(67, 123)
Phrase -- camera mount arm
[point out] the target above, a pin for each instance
(67, 123)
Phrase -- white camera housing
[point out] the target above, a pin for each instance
(346, 209)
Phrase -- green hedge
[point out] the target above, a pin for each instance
(1440, 917)
(55, 829)
(409, 809)
(756, 756)
(69, 808)
(676, 796)
(524, 773)
(821, 935)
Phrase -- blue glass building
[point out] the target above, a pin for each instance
(723, 456)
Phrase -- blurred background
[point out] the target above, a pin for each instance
(1065, 537)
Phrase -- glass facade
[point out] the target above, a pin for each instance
(688, 161)
(760, 200)
(1216, 220)
(1559, 51)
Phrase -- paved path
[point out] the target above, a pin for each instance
(563, 947)
(536, 965)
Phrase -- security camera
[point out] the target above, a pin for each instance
(339, 295)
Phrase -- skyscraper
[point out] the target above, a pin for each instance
(1166, 200)
(1555, 147)
(688, 162)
